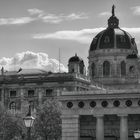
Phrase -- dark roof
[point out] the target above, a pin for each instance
(75, 59)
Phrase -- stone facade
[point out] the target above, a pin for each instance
(111, 112)
(19, 90)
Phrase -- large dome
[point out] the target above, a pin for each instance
(113, 37)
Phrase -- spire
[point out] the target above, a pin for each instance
(113, 10)
(113, 21)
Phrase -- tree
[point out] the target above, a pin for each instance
(11, 126)
(48, 122)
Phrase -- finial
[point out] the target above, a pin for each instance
(75, 54)
(113, 10)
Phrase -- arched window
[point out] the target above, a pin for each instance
(123, 68)
(106, 68)
(106, 40)
(12, 107)
(93, 70)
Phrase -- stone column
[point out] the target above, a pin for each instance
(70, 127)
(123, 127)
(99, 127)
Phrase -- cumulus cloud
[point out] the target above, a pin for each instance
(15, 21)
(31, 60)
(136, 10)
(105, 14)
(83, 36)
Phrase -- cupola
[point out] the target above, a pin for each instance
(76, 65)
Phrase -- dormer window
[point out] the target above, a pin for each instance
(106, 40)
(122, 39)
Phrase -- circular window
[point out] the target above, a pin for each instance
(92, 104)
(69, 104)
(116, 103)
(104, 103)
(139, 102)
(81, 104)
(128, 103)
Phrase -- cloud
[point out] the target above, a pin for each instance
(51, 18)
(31, 60)
(105, 14)
(132, 30)
(35, 11)
(136, 10)
(55, 18)
(40, 15)
(15, 21)
(83, 36)
(74, 16)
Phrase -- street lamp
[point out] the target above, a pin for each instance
(29, 120)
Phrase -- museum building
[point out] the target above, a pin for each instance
(111, 112)
(105, 105)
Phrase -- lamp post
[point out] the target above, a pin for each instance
(29, 120)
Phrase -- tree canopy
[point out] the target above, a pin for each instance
(48, 122)
(11, 126)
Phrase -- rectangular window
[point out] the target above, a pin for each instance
(13, 93)
(30, 93)
(49, 92)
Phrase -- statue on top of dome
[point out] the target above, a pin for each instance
(113, 10)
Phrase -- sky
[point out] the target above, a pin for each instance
(33, 31)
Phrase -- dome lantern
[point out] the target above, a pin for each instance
(113, 21)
